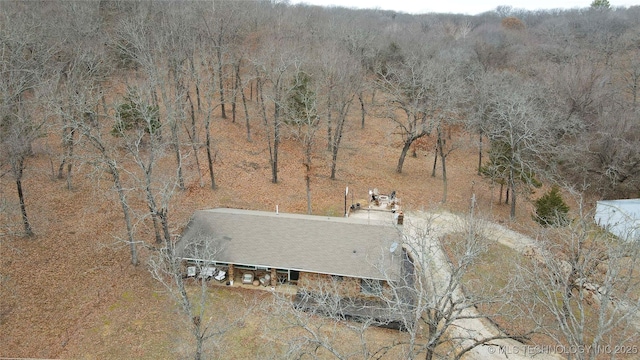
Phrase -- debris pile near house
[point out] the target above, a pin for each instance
(380, 202)
(207, 273)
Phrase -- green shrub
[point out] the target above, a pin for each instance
(133, 115)
(551, 210)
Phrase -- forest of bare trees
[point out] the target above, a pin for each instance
(134, 93)
(554, 96)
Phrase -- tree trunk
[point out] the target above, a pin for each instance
(105, 109)
(431, 348)
(18, 168)
(276, 133)
(512, 187)
(176, 142)
(363, 112)
(307, 179)
(403, 154)
(276, 145)
(197, 82)
(61, 167)
(193, 131)
(199, 346)
(67, 143)
(164, 220)
(634, 101)
(151, 202)
(156, 225)
(154, 96)
(273, 148)
(193, 137)
(480, 154)
(240, 87)
(221, 83)
(65, 139)
(334, 161)
(435, 162)
(180, 88)
(429, 354)
(244, 105)
(208, 146)
(70, 156)
(337, 139)
(125, 210)
(329, 123)
(173, 122)
(265, 120)
(68, 134)
(234, 93)
(443, 159)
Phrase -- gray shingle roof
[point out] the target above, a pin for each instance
(328, 245)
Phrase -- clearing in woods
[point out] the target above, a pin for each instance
(71, 292)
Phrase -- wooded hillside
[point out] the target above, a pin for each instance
(118, 119)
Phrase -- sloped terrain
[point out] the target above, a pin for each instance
(71, 292)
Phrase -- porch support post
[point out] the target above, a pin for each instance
(231, 275)
(274, 278)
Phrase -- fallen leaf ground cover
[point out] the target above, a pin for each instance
(71, 292)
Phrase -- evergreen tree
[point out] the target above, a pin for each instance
(501, 162)
(600, 4)
(551, 210)
(133, 114)
(302, 101)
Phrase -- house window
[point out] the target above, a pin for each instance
(294, 276)
(371, 287)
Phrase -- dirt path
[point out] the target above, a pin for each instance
(473, 326)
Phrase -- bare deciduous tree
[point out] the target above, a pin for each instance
(522, 127)
(273, 67)
(408, 86)
(86, 71)
(628, 74)
(207, 319)
(158, 53)
(444, 301)
(581, 288)
(320, 322)
(93, 136)
(220, 39)
(448, 99)
(343, 78)
(302, 114)
(24, 79)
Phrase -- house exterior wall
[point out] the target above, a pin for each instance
(619, 217)
(343, 286)
(314, 282)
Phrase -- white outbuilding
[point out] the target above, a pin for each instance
(620, 217)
